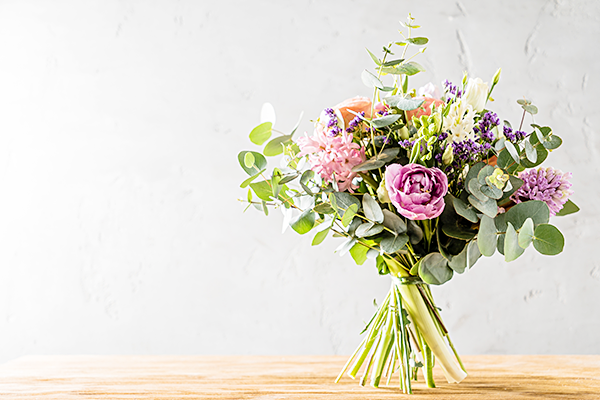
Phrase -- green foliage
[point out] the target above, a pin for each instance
(403, 103)
(526, 233)
(276, 145)
(386, 120)
(359, 253)
(415, 233)
(419, 41)
(548, 240)
(261, 133)
(393, 243)
(368, 229)
(371, 80)
(304, 223)
(488, 207)
(487, 236)
(434, 270)
(535, 209)
(393, 222)
(349, 214)
(568, 208)
(410, 68)
(320, 236)
(252, 178)
(372, 209)
(260, 162)
(512, 250)
(378, 161)
(342, 201)
(466, 258)
(324, 208)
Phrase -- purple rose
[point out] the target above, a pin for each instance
(416, 191)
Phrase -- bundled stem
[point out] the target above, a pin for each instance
(407, 332)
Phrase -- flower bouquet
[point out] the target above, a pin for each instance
(423, 183)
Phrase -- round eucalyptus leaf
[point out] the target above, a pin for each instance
(433, 269)
(304, 223)
(372, 209)
(526, 233)
(260, 162)
(512, 250)
(548, 240)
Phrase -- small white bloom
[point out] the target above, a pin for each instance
(460, 122)
(429, 90)
(476, 93)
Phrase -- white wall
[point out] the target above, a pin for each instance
(120, 122)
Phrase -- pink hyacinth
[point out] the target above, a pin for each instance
(333, 156)
(546, 184)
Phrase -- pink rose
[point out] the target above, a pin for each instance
(417, 192)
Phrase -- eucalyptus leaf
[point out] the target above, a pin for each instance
(512, 250)
(261, 133)
(487, 236)
(489, 207)
(553, 143)
(349, 214)
(458, 232)
(530, 108)
(541, 154)
(474, 171)
(419, 41)
(372, 209)
(324, 208)
(385, 120)
(275, 146)
(537, 210)
(263, 190)
(434, 270)
(371, 80)
(288, 178)
(512, 151)
(548, 240)
(249, 180)
(568, 208)
(526, 233)
(344, 200)
(378, 161)
(484, 172)
(392, 62)
(359, 253)
(393, 243)
(260, 162)
(403, 103)
(466, 259)
(346, 246)
(304, 223)
(492, 192)
(409, 68)
(393, 222)
(320, 236)
(374, 57)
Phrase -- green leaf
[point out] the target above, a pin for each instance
(553, 143)
(382, 268)
(288, 178)
(537, 210)
(515, 184)
(487, 236)
(261, 133)
(324, 208)
(506, 162)
(304, 223)
(542, 154)
(371, 80)
(393, 243)
(378, 161)
(486, 171)
(492, 192)
(530, 108)
(415, 233)
(349, 214)
(568, 208)
(359, 253)
(393, 62)
(249, 160)
(489, 207)
(512, 151)
(466, 258)
(374, 57)
(344, 200)
(523, 102)
(526, 233)
(275, 146)
(368, 229)
(260, 162)
(393, 222)
(474, 172)
(475, 189)
(385, 120)
(434, 269)
(419, 41)
(249, 180)
(548, 240)
(372, 209)
(403, 103)
(410, 68)
(320, 236)
(512, 250)
(458, 232)
(530, 152)
(262, 190)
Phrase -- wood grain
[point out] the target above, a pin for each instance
(285, 377)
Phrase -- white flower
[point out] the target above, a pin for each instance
(429, 90)
(476, 94)
(460, 121)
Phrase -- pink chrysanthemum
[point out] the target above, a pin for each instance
(333, 156)
(546, 184)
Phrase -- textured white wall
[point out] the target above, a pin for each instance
(120, 122)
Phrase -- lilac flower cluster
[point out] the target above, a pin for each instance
(332, 124)
(353, 125)
(406, 144)
(486, 123)
(468, 150)
(452, 88)
(546, 184)
(513, 136)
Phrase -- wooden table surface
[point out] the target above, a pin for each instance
(285, 377)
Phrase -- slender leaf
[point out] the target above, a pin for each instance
(568, 208)
(487, 236)
(320, 236)
(512, 250)
(526, 233)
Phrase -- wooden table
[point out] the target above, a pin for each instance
(285, 377)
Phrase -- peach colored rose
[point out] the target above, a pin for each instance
(357, 104)
(493, 160)
(425, 108)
